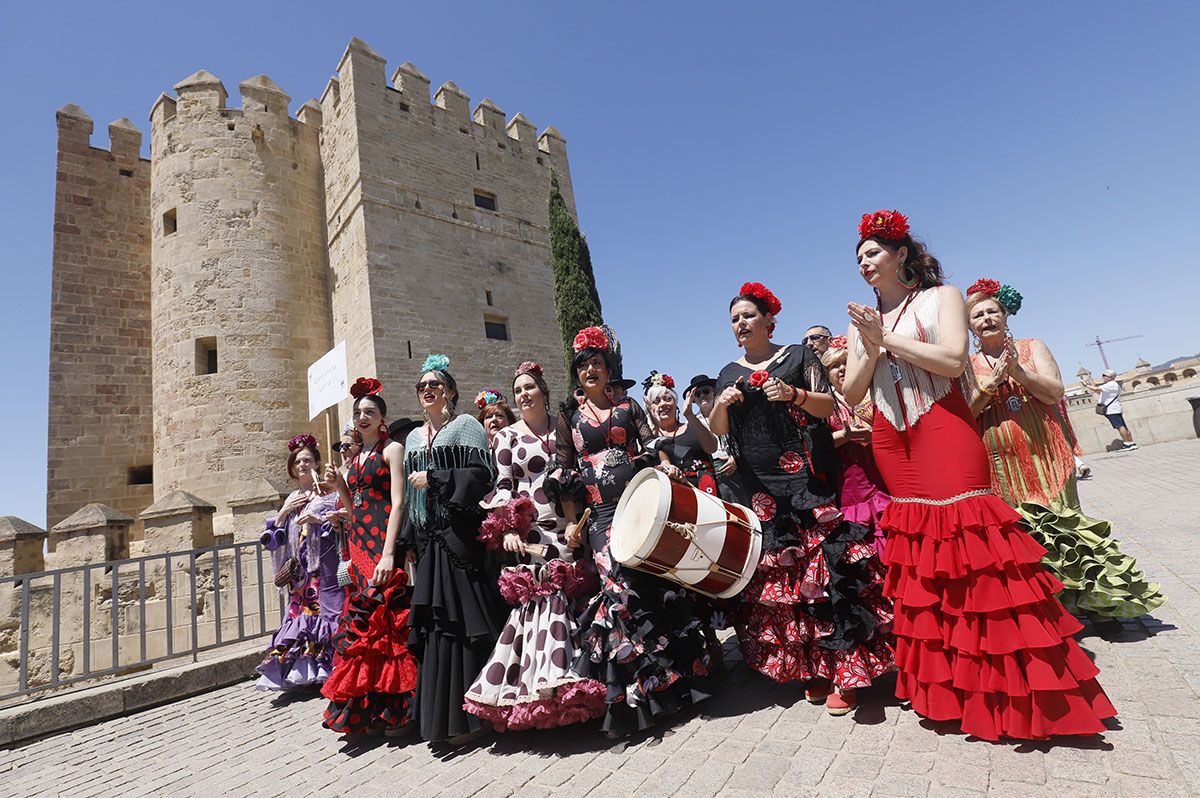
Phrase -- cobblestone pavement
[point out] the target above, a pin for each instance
(754, 738)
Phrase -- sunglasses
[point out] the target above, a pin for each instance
(811, 338)
(342, 447)
(428, 384)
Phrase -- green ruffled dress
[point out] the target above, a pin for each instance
(1033, 469)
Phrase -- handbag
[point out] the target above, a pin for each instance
(288, 573)
(1102, 409)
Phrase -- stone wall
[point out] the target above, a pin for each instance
(407, 240)
(238, 263)
(1154, 416)
(100, 424)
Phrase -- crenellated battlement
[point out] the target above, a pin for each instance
(75, 132)
(203, 94)
(450, 106)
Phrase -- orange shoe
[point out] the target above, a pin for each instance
(841, 703)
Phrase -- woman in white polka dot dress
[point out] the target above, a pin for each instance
(528, 682)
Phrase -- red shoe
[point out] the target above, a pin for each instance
(817, 691)
(842, 703)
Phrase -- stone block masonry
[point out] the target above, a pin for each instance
(192, 291)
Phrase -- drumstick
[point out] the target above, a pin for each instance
(540, 549)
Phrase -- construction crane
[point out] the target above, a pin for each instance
(1100, 345)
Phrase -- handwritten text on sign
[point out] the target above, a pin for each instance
(327, 381)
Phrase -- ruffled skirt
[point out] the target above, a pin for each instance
(641, 639)
(374, 673)
(301, 653)
(817, 611)
(528, 682)
(1096, 576)
(867, 509)
(455, 624)
(980, 638)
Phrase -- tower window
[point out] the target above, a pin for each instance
(206, 356)
(477, 166)
(485, 200)
(496, 329)
(487, 295)
(170, 222)
(140, 475)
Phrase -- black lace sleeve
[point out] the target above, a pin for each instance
(811, 374)
(564, 480)
(641, 423)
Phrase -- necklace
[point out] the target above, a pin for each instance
(595, 416)
(893, 365)
(544, 440)
(430, 437)
(359, 467)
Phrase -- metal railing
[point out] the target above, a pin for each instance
(90, 621)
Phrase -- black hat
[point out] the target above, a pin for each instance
(701, 380)
(618, 381)
(400, 428)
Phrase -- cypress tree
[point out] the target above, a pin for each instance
(575, 296)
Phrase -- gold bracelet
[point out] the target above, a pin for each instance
(986, 390)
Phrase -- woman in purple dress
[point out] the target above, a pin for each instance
(303, 540)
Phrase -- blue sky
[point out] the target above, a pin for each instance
(1050, 145)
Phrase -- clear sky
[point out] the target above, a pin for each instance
(1050, 145)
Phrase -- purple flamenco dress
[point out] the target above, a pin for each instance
(301, 654)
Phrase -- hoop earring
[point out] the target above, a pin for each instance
(907, 277)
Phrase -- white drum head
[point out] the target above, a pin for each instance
(640, 516)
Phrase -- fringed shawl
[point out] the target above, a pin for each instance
(459, 443)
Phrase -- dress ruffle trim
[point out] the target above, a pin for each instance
(805, 620)
(980, 637)
(577, 701)
(373, 669)
(301, 654)
(1096, 576)
(869, 513)
(641, 639)
(523, 583)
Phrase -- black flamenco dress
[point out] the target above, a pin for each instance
(456, 609)
(374, 673)
(640, 635)
(815, 607)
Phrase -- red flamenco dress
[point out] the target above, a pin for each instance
(374, 674)
(980, 637)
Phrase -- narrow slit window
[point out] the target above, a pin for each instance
(206, 356)
(477, 166)
(487, 295)
(126, 172)
(485, 200)
(496, 329)
(170, 222)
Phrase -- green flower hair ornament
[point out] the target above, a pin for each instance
(1010, 298)
(435, 363)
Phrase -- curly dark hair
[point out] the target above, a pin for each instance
(920, 261)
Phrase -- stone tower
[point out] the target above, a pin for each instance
(192, 291)
(238, 277)
(100, 432)
(438, 230)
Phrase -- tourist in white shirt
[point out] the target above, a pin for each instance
(1110, 399)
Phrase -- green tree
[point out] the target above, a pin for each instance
(575, 296)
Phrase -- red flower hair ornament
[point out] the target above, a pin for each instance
(300, 441)
(888, 225)
(760, 291)
(365, 386)
(985, 286)
(590, 338)
(837, 342)
(528, 367)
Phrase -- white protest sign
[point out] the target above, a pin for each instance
(327, 381)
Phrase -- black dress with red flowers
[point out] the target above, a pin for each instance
(374, 674)
(815, 607)
(640, 635)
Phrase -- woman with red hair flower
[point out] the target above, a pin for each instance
(980, 638)
(640, 636)
(814, 610)
(529, 681)
(1031, 451)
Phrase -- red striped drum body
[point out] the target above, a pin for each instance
(683, 534)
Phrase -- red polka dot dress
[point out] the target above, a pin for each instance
(374, 674)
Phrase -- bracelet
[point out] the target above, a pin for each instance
(795, 393)
(986, 390)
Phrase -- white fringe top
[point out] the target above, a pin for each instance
(918, 388)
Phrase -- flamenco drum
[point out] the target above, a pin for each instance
(686, 535)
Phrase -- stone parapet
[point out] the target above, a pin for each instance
(20, 546)
(93, 533)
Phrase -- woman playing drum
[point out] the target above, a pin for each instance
(640, 637)
(814, 610)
